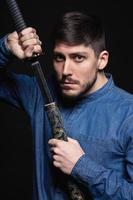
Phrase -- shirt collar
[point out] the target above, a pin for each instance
(102, 91)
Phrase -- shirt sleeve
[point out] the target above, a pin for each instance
(5, 54)
(19, 90)
(108, 183)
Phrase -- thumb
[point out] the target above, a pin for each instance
(72, 140)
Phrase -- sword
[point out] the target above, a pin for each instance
(52, 110)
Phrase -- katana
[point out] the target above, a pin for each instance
(52, 110)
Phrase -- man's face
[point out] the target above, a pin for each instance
(77, 69)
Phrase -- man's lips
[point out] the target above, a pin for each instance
(67, 85)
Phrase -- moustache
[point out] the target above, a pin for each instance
(68, 80)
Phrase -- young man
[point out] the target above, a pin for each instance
(97, 115)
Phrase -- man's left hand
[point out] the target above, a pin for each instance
(65, 154)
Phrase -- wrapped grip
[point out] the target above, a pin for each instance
(56, 121)
(16, 15)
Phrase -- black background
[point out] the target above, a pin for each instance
(15, 131)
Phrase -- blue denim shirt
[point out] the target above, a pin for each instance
(102, 122)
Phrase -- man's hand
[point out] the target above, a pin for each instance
(65, 154)
(25, 44)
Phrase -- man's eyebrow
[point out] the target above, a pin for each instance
(55, 53)
(79, 52)
(74, 53)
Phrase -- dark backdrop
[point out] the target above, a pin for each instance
(15, 131)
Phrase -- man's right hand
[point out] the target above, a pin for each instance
(24, 44)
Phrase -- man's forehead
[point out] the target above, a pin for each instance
(66, 48)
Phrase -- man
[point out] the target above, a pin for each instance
(97, 115)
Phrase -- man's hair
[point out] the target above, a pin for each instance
(76, 28)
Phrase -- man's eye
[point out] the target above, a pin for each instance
(79, 58)
(58, 58)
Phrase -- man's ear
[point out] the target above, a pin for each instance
(103, 59)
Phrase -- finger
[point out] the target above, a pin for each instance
(57, 164)
(28, 36)
(57, 158)
(32, 51)
(53, 142)
(58, 143)
(37, 49)
(55, 150)
(27, 30)
(29, 51)
(72, 140)
(29, 42)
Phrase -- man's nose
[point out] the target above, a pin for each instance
(67, 68)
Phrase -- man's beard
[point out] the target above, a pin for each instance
(82, 93)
